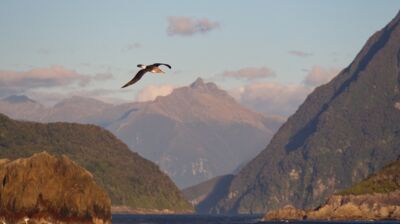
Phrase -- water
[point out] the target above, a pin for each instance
(216, 219)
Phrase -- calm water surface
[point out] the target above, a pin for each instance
(213, 219)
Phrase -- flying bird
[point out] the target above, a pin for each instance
(146, 68)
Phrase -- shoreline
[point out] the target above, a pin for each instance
(126, 210)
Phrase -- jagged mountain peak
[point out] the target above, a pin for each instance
(200, 84)
(203, 101)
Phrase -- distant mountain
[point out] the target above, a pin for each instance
(18, 99)
(195, 133)
(22, 107)
(127, 178)
(75, 109)
(344, 131)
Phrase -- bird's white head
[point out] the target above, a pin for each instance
(141, 66)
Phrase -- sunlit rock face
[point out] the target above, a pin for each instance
(374, 198)
(49, 189)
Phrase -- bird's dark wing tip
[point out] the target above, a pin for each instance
(158, 64)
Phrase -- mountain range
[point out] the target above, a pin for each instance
(195, 133)
(344, 131)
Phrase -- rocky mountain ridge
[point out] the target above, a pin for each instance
(344, 131)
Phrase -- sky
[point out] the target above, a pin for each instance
(268, 54)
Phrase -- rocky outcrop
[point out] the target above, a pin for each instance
(376, 206)
(287, 213)
(374, 198)
(49, 189)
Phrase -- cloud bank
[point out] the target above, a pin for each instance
(46, 80)
(151, 92)
(186, 26)
(319, 75)
(274, 98)
(53, 76)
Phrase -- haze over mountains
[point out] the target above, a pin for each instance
(344, 131)
(195, 133)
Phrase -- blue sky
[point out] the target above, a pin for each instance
(246, 47)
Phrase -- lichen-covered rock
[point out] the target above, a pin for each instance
(48, 189)
(377, 206)
(287, 213)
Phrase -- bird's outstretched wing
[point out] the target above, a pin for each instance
(158, 64)
(137, 77)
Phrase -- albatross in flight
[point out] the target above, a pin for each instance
(146, 68)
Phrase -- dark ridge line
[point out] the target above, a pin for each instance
(299, 139)
(219, 191)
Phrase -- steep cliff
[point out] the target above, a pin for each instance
(344, 131)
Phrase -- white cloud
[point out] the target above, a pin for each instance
(272, 98)
(151, 92)
(50, 82)
(186, 26)
(55, 75)
(249, 73)
(319, 75)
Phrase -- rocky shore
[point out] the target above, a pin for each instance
(376, 206)
(48, 189)
(286, 213)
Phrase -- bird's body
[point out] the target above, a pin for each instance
(146, 68)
